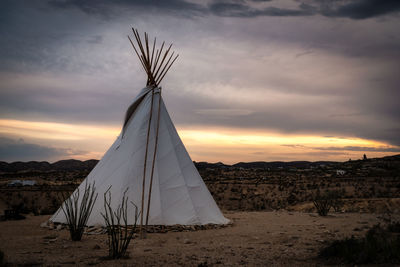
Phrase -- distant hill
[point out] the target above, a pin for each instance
(62, 165)
(21, 166)
(73, 164)
(205, 165)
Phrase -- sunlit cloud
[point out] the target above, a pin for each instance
(68, 140)
(252, 145)
(54, 131)
(204, 144)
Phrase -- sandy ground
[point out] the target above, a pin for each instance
(256, 239)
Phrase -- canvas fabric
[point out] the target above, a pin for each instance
(179, 195)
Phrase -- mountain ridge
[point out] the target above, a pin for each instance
(73, 164)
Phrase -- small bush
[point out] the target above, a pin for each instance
(380, 245)
(322, 203)
(1, 258)
(394, 227)
(78, 215)
(119, 234)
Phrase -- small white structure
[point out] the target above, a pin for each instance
(340, 172)
(22, 183)
(149, 159)
(15, 183)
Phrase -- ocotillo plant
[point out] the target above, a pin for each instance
(119, 236)
(323, 203)
(77, 213)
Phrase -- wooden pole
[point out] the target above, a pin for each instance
(153, 64)
(152, 53)
(166, 64)
(156, 67)
(158, 57)
(145, 57)
(162, 77)
(154, 158)
(142, 230)
(162, 61)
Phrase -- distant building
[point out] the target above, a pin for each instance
(22, 183)
(28, 183)
(340, 172)
(15, 183)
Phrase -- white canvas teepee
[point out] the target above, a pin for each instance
(149, 160)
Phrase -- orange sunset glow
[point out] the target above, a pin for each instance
(213, 144)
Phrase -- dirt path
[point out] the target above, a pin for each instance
(255, 239)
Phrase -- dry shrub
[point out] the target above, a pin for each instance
(78, 215)
(379, 246)
(2, 258)
(119, 234)
(322, 203)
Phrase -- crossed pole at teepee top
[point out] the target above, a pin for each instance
(154, 68)
(156, 71)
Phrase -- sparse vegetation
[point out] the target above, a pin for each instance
(119, 234)
(380, 245)
(1, 258)
(77, 214)
(337, 202)
(323, 203)
(370, 186)
(373, 179)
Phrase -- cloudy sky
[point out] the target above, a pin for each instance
(255, 80)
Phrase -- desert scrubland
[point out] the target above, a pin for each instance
(274, 219)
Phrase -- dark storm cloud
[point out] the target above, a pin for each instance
(229, 9)
(347, 148)
(58, 104)
(12, 150)
(359, 9)
(32, 35)
(353, 9)
(183, 8)
(361, 148)
(105, 7)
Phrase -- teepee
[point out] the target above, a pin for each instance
(149, 160)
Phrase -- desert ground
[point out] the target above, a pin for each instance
(278, 238)
(270, 205)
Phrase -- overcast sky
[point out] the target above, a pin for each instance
(265, 80)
